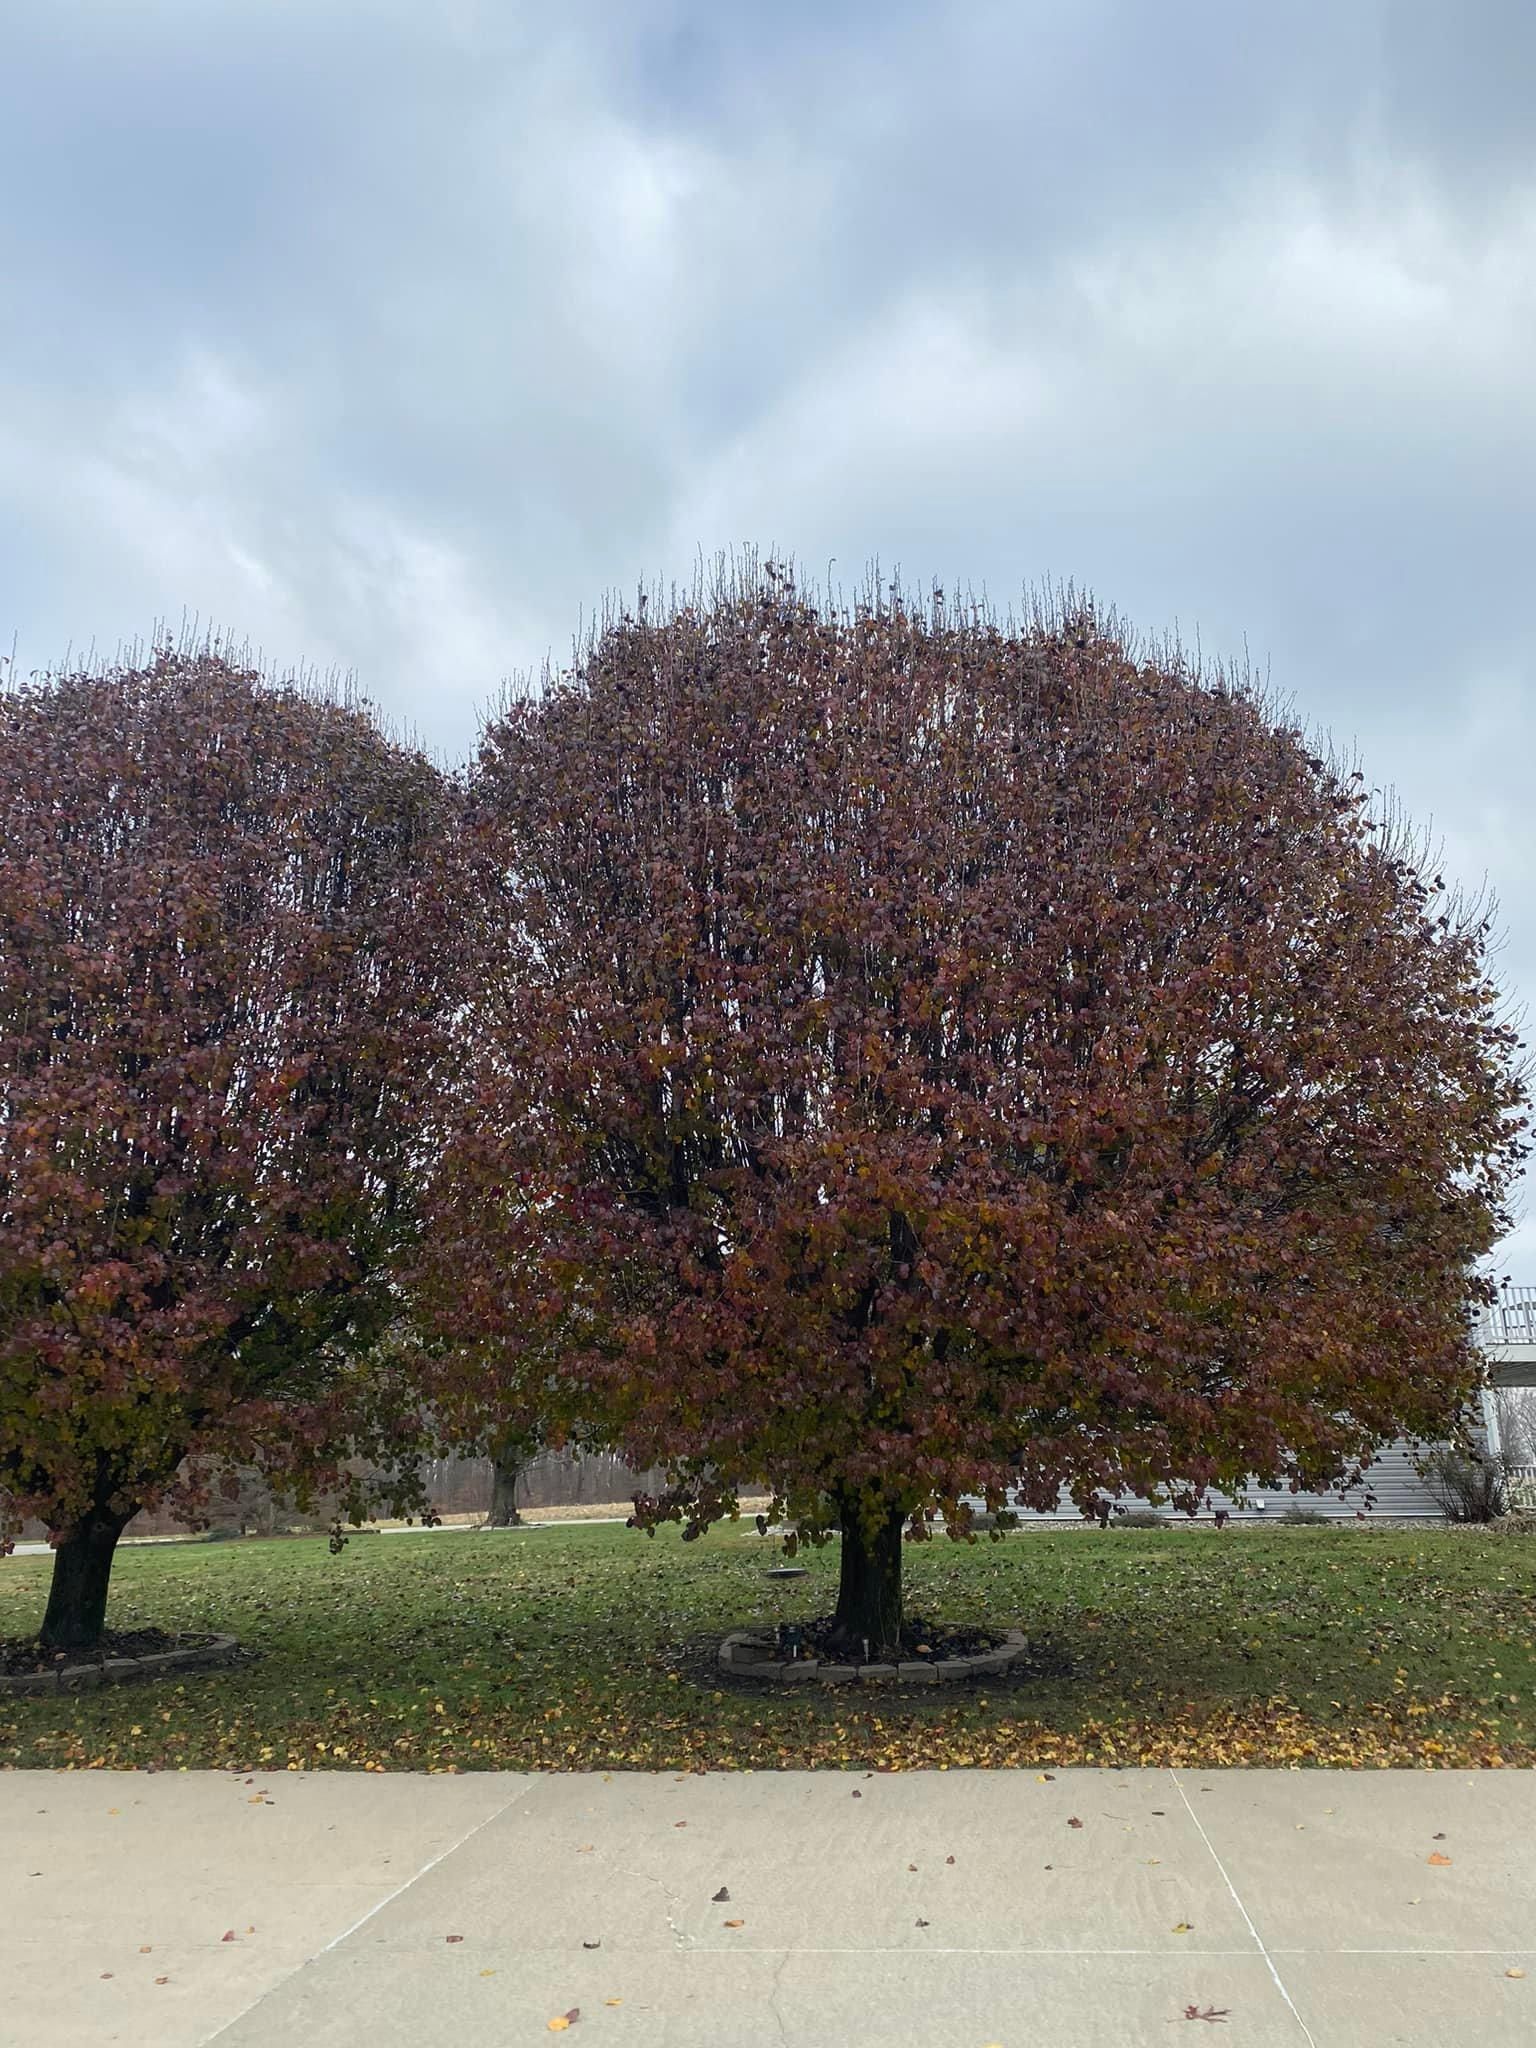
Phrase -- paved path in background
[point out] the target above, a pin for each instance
(394, 1529)
(949, 1909)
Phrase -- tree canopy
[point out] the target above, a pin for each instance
(221, 1014)
(915, 1058)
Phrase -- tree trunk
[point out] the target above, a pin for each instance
(508, 1469)
(82, 1569)
(869, 1584)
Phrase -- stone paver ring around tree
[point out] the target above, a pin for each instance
(81, 1674)
(756, 1653)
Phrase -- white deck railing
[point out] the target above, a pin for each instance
(1511, 1320)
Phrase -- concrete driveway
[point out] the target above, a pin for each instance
(954, 1909)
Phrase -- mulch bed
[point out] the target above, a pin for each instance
(921, 1641)
(24, 1656)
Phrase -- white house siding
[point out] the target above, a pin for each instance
(1400, 1495)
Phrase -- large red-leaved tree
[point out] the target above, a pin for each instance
(919, 1059)
(221, 1011)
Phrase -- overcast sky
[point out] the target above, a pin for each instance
(393, 338)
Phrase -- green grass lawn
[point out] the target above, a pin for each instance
(588, 1647)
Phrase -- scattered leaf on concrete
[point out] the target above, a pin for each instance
(1436, 1857)
(228, 1934)
(453, 1937)
(921, 1923)
(1184, 1927)
(1215, 2013)
(591, 1944)
(733, 1923)
(720, 1897)
(1074, 1822)
(1515, 1972)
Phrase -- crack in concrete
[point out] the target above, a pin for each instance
(773, 1995)
(680, 1940)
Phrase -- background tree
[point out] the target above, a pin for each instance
(511, 1453)
(221, 989)
(939, 1060)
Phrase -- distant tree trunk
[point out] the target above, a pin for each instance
(82, 1570)
(507, 1469)
(869, 1584)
